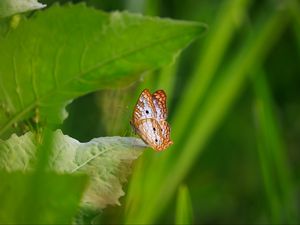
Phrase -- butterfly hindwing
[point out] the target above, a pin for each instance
(166, 130)
(150, 132)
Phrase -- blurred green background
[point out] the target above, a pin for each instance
(234, 110)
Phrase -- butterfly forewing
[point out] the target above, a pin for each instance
(159, 101)
(144, 108)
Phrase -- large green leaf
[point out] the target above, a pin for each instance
(106, 160)
(64, 52)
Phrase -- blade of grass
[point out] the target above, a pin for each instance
(272, 156)
(166, 79)
(217, 41)
(184, 209)
(44, 142)
(213, 111)
(272, 198)
(137, 185)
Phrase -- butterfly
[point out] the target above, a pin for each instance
(149, 119)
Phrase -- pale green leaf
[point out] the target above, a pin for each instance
(65, 52)
(107, 160)
(10, 7)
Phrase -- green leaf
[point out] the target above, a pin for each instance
(65, 52)
(184, 209)
(107, 160)
(55, 201)
(10, 7)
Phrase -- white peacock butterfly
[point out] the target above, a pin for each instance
(149, 119)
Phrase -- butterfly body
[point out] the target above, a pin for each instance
(149, 119)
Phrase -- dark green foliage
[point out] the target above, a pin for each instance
(234, 97)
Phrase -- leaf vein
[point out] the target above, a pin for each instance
(6, 95)
(82, 57)
(56, 63)
(90, 159)
(15, 73)
(34, 84)
(16, 118)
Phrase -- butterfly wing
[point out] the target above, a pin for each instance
(159, 101)
(144, 108)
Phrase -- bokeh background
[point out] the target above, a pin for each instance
(234, 109)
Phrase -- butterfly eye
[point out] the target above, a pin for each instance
(156, 140)
(147, 111)
(154, 129)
